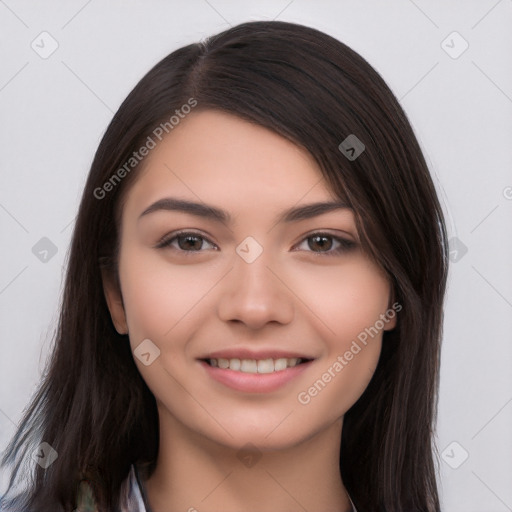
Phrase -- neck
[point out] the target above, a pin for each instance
(194, 473)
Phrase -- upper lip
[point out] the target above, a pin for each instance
(244, 353)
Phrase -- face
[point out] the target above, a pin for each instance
(252, 318)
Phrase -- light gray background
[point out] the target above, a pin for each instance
(55, 110)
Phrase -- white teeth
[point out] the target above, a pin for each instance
(235, 364)
(266, 366)
(256, 366)
(248, 366)
(280, 364)
(223, 363)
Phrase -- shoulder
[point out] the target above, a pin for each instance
(130, 497)
(86, 501)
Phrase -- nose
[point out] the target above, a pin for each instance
(255, 294)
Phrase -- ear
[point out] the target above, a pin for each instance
(391, 312)
(114, 301)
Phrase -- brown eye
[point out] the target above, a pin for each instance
(186, 242)
(321, 242)
(324, 243)
(189, 242)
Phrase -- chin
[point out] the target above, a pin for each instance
(263, 437)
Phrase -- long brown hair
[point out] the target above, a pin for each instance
(94, 408)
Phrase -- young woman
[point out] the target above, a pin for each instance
(252, 311)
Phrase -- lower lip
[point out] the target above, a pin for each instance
(254, 382)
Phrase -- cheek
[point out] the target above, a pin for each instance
(338, 385)
(349, 302)
(345, 300)
(159, 301)
(158, 296)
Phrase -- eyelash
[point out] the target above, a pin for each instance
(344, 244)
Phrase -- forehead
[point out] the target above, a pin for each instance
(216, 157)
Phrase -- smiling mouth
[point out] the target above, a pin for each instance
(256, 365)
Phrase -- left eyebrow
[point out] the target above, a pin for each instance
(293, 214)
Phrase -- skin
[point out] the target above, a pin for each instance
(294, 296)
